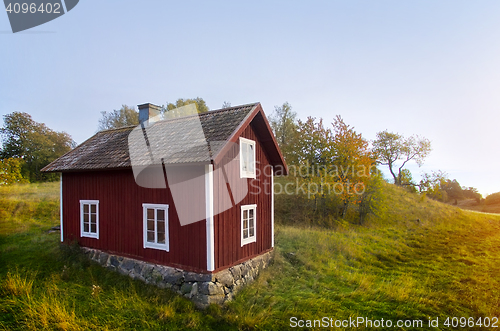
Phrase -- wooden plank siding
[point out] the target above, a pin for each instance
(227, 224)
(121, 218)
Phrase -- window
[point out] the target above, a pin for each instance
(89, 218)
(247, 158)
(248, 224)
(155, 226)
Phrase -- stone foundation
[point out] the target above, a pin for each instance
(202, 289)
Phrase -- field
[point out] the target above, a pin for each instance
(423, 261)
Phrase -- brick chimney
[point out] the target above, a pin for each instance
(148, 113)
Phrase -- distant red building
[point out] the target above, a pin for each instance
(103, 207)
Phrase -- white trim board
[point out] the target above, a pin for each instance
(209, 209)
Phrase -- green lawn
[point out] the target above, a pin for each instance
(426, 260)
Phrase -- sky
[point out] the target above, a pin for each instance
(430, 68)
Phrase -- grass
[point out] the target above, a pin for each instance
(423, 260)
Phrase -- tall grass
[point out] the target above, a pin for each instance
(421, 260)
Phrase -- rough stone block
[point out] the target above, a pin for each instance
(225, 278)
(195, 277)
(103, 258)
(186, 288)
(114, 261)
(173, 276)
(128, 264)
(194, 289)
(236, 272)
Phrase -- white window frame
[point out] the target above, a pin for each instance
(245, 173)
(250, 239)
(89, 234)
(155, 245)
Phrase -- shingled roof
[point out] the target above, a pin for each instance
(110, 149)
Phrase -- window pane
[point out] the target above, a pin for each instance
(85, 218)
(161, 238)
(245, 234)
(85, 227)
(151, 214)
(250, 222)
(251, 160)
(93, 208)
(93, 228)
(85, 209)
(93, 218)
(245, 224)
(250, 213)
(244, 156)
(151, 236)
(151, 225)
(245, 214)
(160, 214)
(161, 227)
(252, 231)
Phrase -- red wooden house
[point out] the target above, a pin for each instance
(227, 189)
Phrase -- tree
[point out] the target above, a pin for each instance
(373, 199)
(430, 184)
(34, 142)
(335, 163)
(352, 163)
(226, 104)
(201, 106)
(11, 171)
(453, 189)
(390, 148)
(283, 123)
(125, 116)
(472, 193)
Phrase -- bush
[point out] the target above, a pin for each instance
(492, 199)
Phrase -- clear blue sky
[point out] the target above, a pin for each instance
(414, 67)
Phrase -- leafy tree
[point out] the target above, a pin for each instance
(125, 116)
(471, 193)
(201, 106)
(285, 128)
(453, 189)
(11, 171)
(310, 147)
(352, 163)
(34, 142)
(431, 185)
(492, 199)
(390, 148)
(373, 199)
(335, 162)
(407, 181)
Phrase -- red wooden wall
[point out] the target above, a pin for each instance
(120, 212)
(227, 225)
(121, 220)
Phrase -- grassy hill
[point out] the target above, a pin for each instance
(424, 260)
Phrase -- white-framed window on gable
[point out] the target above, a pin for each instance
(247, 158)
(89, 218)
(248, 224)
(155, 218)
